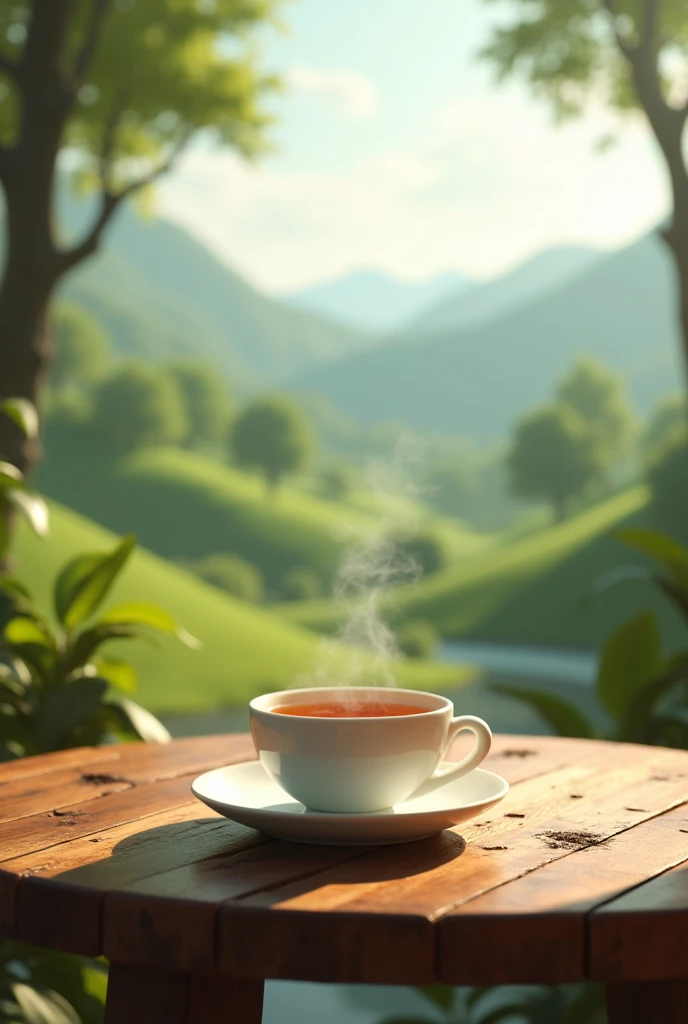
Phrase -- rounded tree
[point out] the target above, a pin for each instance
(124, 87)
(205, 401)
(668, 422)
(231, 573)
(272, 436)
(554, 456)
(138, 406)
(598, 395)
(81, 348)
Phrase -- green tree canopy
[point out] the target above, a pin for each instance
(598, 395)
(205, 401)
(81, 348)
(554, 456)
(628, 53)
(123, 86)
(271, 435)
(139, 405)
(231, 573)
(668, 423)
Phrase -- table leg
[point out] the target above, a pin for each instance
(219, 999)
(146, 994)
(158, 996)
(648, 1002)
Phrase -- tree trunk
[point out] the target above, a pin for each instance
(24, 355)
(677, 240)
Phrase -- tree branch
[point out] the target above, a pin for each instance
(110, 202)
(627, 50)
(93, 33)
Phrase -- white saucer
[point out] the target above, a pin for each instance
(245, 793)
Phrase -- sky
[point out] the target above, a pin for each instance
(396, 150)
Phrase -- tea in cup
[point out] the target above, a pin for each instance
(354, 751)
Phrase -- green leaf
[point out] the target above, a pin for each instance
(637, 723)
(34, 510)
(10, 476)
(631, 659)
(43, 1007)
(85, 582)
(23, 630)
(66, 706)
(142, 613)
(663, 549)
(118, 672)
(84, 646)
(561, 715)
(142, 722)
(439, 995)
(24, 414)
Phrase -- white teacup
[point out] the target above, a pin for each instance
(354, 765)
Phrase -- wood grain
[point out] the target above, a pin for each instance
(42, 764)
(146, 994)
(659, 1002)
(643, 935)
(128, 864)
(388, 882)
(534, 929)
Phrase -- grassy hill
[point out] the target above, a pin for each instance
(531, 591)
(475, 382)
(245, 651)
(183, 505)
(162, 294)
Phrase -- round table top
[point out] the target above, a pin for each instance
(582, 871)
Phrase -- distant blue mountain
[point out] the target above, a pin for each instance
(490, 299)
(372, 301)
(475, 378)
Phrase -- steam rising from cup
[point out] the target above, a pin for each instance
(364, 648)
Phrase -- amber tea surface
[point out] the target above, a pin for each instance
(352, 709)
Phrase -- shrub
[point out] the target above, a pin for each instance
(300, 584)
(417, 639)
(425, 550)
(667, 475)
(232, 574)
(138, 406)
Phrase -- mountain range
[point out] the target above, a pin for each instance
(369, 300)
(162, 295)
(475, 378)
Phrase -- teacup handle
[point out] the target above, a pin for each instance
(481, 748)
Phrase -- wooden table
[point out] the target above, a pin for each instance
(581, 872)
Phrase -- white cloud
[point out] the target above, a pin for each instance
(352, 94)
(491, 184)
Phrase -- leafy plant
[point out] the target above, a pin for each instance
(643, 691)
(57, 687)
(566, 1004)
(15, 493)
(39, 986)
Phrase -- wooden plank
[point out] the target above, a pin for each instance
(142, 763)
(533, 929)
(86, 812)
(58, 903)
(217, 999)
(643, 935)
(658, 1002)
(170, 918)
(384, 882)
(146, 994)
(42, 764)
